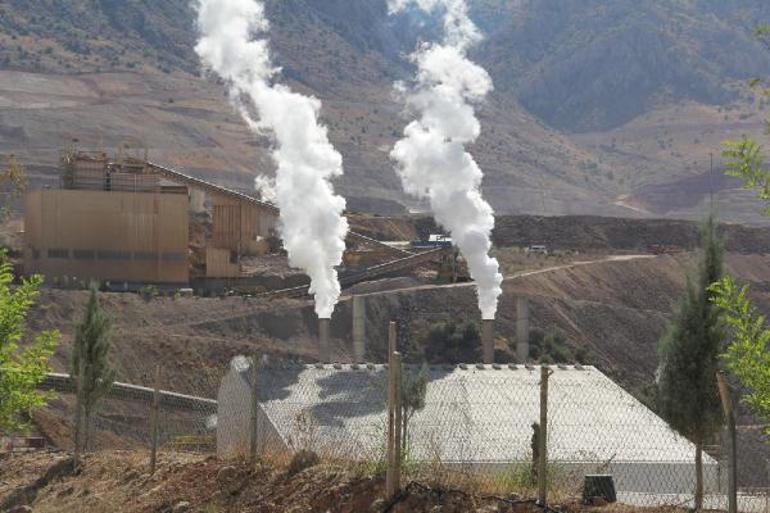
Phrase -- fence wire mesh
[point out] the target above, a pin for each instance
(474, 426)
(479, 425)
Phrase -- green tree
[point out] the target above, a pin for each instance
(414, 386)
(689, 356)
(453, 343)
(748, 355)
(22, 366)
(90, 364)
(745, 161)
(551, 347)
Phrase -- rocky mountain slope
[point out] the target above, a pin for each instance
(651, 89)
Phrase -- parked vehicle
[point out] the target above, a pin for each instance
(537, 249)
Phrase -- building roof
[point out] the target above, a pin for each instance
(473, 413)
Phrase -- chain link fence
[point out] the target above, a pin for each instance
(476, 427)
(125, 418)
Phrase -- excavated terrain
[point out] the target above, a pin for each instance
(119, 482)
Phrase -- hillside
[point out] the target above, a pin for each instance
(576, 233)
(651, 89)
(588, 65)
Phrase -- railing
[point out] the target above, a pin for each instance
(126, 391)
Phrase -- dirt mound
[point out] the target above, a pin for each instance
(119, 482)
(581, 233)
(590, 232)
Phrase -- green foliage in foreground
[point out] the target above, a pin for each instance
(748, 355)
(745, 161)
(22, 366)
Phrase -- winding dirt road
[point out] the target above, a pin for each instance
(522, 274)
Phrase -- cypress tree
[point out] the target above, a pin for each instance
(90, 363)
(688, 354)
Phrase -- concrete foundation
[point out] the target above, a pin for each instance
(488, 340)
(324, 349)
(522, 329)
(359, 329)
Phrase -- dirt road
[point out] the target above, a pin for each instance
(515, 276)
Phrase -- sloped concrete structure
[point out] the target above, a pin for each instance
(477, 416)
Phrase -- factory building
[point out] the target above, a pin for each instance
(129, 220)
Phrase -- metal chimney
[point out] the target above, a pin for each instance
(522, 329)
(359, 329)
(324, 351)
(488, 340)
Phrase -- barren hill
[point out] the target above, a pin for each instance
(652, 88)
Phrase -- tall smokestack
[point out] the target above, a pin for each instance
(522, 329)
(488, 340)
(324, 350)
(359, 329)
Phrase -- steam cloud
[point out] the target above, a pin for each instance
(431, 157)
(311, 224)
(266, 188)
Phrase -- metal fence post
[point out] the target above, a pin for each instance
(397, 422)
(155, 420)
(732, 455)
(542, 477)
(254, 410)
(76, 457)
(391, 476)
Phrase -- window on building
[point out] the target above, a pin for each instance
(145, 256)
(173, 256)
(84, 254)
(58, 253)
(113, 255)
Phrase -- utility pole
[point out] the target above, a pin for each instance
(732, 468)
(155, 420)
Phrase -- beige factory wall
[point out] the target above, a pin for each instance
(237, 224)
(219, 264)
(118, 236)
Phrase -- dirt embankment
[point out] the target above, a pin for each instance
(192, 339)
(118, 482)
(617, 309)
(581, 233)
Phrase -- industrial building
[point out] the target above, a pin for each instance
(477, 416)
(129, 222)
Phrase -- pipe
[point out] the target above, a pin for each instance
(359, 329)
(522, 329)
(323, 341)
(488, 340)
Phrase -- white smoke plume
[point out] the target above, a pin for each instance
(312, 226)
(266, 188)
(431, 157)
